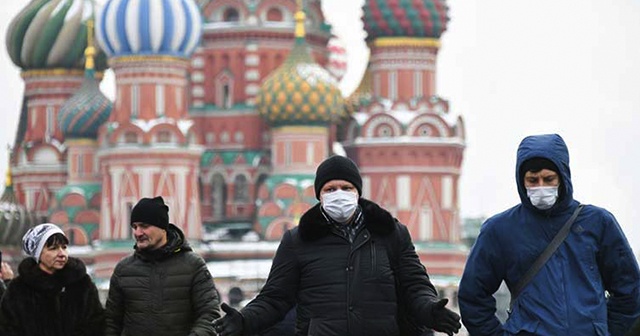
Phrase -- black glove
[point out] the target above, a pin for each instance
(231, 324)
(443, 319)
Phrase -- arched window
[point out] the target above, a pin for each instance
(274, 15)
(218, 197)
(241, 188)
(231, 15)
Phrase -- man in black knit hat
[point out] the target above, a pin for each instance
(164, 288)
(347, 267)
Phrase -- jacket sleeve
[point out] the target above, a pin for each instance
(204, 299)
(481, 278)
(278, 295)
(620, 276)
(115, 306)
(415, 286)
(93, 321)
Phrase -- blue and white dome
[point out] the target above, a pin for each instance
(149, 27)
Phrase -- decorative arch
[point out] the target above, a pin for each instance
(270, 209)
(155, 134)
(287, 8)
(278, 227)
(285, 191)
(73, 200)
(119, 134)
(215, 10)
(377, 122)
(45, 154)
(431, 121)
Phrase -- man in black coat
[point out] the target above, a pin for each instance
(347, 267)
(164, 288)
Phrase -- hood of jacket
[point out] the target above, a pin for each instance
(314, 225)
(32, 275)
(176, 243)
(553, 148)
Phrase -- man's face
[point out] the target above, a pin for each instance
(53, 258)
(542, 178)
(148, 236)
(334, 185)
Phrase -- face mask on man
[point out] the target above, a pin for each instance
(340, 205)
(543, 198)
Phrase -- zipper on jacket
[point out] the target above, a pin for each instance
(373, 258)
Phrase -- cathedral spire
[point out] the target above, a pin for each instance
(300, 18)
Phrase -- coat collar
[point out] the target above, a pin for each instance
(313, 224)
(31, 274)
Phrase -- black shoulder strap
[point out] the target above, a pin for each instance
(544, 257)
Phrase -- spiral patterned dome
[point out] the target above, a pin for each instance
(405, 18)
(15, 220)
(299, 92)
(82, 114)
(149, 27)
(51, 34)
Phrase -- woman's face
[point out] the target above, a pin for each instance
(53, 258)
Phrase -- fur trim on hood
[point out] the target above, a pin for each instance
(314, 225)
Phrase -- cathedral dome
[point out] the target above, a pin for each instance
(405, 18)
(51, 34)
(15, 220)
(300, 91)
(131, 27)
(83, 113)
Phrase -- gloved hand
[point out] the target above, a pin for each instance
(231, 324)
(443, 319)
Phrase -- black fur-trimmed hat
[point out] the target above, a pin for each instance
(151, 211)
(337, 168)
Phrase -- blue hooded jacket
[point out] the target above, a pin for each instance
(567, 296)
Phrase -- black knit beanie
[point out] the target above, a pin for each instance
(537, 164)
(151, 211)
(337, 168)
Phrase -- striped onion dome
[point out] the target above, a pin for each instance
(15, 220)
(300, 91)
(51, 34)
(82, 114)
(405, 18)
(149, 27)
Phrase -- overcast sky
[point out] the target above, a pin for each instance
(511, 68)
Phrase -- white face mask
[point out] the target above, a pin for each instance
(543, 198)
(340, 205)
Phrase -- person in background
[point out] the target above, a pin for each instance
(568, 295)
(6, 275)
(339, 267)
(163, 288)
(52, 295)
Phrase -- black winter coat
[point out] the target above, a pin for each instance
(65, 303)
(342, 288)
(165, 292)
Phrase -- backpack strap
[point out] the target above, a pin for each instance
(544, 256)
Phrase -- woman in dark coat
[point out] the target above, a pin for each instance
(53, 295)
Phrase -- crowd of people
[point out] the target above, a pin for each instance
(349, 268)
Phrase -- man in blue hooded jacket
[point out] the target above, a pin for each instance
(589, 286)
